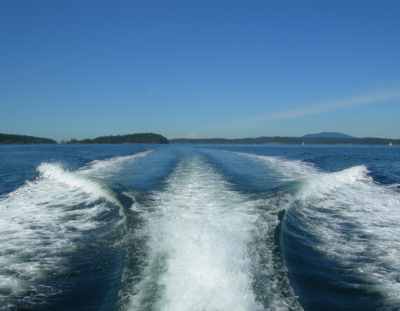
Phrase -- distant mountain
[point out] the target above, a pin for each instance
(277, 140)
(329, 134)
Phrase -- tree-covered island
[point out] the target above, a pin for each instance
(151, 138)
(12, 139)
(139, 138)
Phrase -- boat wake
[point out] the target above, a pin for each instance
(205, 248)
(207, 230)
(43, 225)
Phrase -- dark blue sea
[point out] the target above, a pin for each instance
(196, 227)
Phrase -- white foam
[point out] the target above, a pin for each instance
(355, 219)
(199, 233)
(112, 166)
(56, 173)
(357, 222)
(40, 221)
(323, 183)
(284, 169)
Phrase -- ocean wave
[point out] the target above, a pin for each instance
(41, 223)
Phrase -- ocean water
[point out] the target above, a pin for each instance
(187, 227)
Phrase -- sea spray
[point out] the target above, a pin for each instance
(202, 240)
(41, 224)
(354, 223)
(102, 169)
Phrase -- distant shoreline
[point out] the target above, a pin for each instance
(151, 138)
(277, 140)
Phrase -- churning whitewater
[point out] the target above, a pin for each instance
(199, 228)
(203, 248)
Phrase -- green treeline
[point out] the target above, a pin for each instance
(23, 139)
(139, 138)
(289, 141)
(151, 138)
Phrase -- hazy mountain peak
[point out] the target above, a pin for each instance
(329, 134)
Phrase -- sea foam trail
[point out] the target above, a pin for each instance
(284, 169)
(199, 235)
(357, 224)
(111, 167)
(40, 223)
(347, 218)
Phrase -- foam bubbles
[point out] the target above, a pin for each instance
(324, 183)
(40, 223)
(357, 224)
(200, 246)
(352, 220)
(284, 169)
(198, 235)
(112, 166)
(90, 188)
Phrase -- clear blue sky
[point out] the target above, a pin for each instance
(233, 69)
